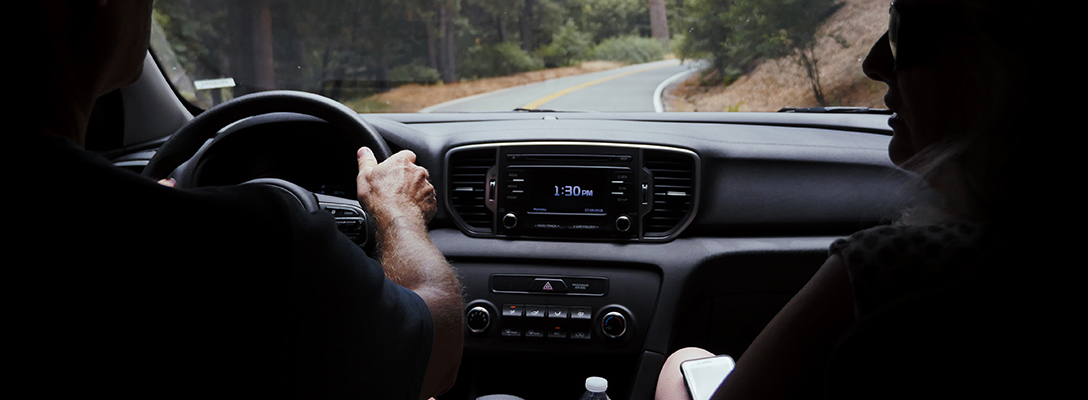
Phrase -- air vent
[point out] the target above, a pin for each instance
(673, 191)
(467, 183)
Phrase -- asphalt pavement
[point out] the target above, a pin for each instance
(627, 89)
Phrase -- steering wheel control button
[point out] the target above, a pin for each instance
(512, 310)
(623, 223)
(543, 285)
(478, 319)
(532, 311)
(557, 312)
(509, 221)
(614, 325)
(581, 313)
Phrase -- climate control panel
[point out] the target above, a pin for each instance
(556, 308)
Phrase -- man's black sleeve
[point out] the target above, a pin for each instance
(355, 333)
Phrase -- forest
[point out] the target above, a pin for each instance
(353, 48)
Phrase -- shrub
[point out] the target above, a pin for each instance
(568, 47)
(630, 49)
(414, 73)
(498, 60)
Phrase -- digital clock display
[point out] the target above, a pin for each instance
(568, 190)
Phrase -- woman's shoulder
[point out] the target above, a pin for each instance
(888, 262)
(933, 239)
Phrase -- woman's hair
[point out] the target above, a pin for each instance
(974, 171)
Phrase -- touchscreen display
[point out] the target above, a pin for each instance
(568, 190)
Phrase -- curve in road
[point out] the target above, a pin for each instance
(630, 88)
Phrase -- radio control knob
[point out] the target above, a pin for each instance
(510, 220)
(623, 223)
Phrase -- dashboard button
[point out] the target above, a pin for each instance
(534, 333)
(581, 313)
(557, 312)
(532, 311)
(579, 335)
(512, 310)
(510, 332)
(548, 285)
(623, 223)
(509, 221)
(557, 333)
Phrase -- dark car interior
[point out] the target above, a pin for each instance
(588, 244)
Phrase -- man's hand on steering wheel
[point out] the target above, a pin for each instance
(396, 188)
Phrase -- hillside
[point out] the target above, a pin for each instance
(843, 42)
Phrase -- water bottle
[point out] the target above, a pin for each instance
(595, 387)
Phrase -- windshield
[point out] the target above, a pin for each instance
(502, 55)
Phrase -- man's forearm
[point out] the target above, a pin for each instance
(410, 259)
(408, 256)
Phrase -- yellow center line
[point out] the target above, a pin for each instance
(564, 92)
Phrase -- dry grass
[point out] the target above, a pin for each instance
(780, 83)
(412, 98)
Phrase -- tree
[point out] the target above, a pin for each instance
(736, 34)
(659, 22)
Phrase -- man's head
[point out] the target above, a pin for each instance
(99, 44)
(76, 51)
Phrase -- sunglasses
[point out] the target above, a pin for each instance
(893, 29)
(921, 28)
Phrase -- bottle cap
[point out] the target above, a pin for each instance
(596, 384)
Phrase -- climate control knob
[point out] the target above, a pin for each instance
(623, 223)
(614, 325)
(478, 319)
(509, 220)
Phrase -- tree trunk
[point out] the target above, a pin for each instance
(451, 62)
(432, 51)
(240, 32)
(526, 25)
(446, 45)
(502, 29)
(659, 22)
(807, 59)
(262, 46)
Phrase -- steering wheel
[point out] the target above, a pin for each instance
(178, 157)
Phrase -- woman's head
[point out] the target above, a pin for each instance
(957, 82)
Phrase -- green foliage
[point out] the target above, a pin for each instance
(737, 34)
(414, 72)
(610, 18)
(630, 49)
(568, 47)
(498, 60)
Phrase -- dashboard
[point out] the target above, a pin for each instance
(595, 244)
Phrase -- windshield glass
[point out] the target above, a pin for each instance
(502, 55)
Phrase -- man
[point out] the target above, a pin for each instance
(133, 288)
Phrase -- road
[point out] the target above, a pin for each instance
(630, 88)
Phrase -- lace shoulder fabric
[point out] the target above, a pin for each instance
(887, 263)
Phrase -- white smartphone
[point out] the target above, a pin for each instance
(704, 375)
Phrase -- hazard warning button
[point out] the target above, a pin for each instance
(546, 285)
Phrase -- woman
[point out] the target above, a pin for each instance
(906, 309)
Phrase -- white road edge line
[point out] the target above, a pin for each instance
(658, 105)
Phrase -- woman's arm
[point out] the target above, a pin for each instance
(788, 358)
